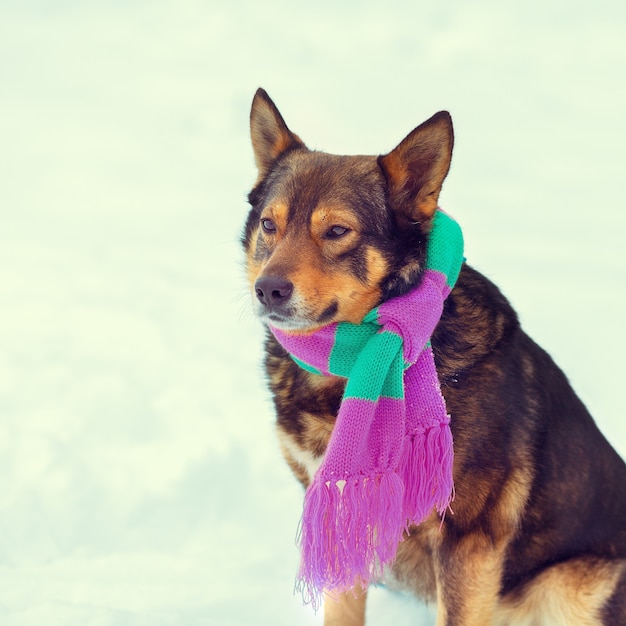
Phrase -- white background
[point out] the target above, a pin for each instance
(140, 483)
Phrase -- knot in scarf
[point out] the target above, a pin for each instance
(389, 460)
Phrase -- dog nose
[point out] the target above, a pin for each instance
(273, 291)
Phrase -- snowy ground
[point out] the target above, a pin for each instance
(140, 481)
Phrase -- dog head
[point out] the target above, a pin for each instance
(330, 237)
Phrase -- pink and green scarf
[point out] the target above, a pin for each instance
(389, 460)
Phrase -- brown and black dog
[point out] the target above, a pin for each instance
(538, 533)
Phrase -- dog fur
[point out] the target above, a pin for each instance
(537, 535)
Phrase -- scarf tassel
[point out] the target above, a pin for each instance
(426, 470)
(349, 531)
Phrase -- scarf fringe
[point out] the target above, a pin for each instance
(426, 470)
(349, 532)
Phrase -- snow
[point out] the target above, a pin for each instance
(141, 482)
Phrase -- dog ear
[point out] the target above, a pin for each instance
(270, 135)
(415, 169)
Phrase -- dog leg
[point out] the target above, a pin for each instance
(468, 581)
(584, 591)
(345, 609)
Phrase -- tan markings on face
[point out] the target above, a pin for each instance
(377, 267)
(278, 213)
(361, 298)
(324, 218)
(312, 284)
(310, 259)
(322, 286)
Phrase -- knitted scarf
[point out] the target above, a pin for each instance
(389, 460)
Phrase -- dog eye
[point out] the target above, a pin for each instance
(336, 231)
(268, 226)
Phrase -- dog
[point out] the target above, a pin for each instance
(537, 535)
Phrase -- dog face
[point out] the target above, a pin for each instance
(329, 237)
